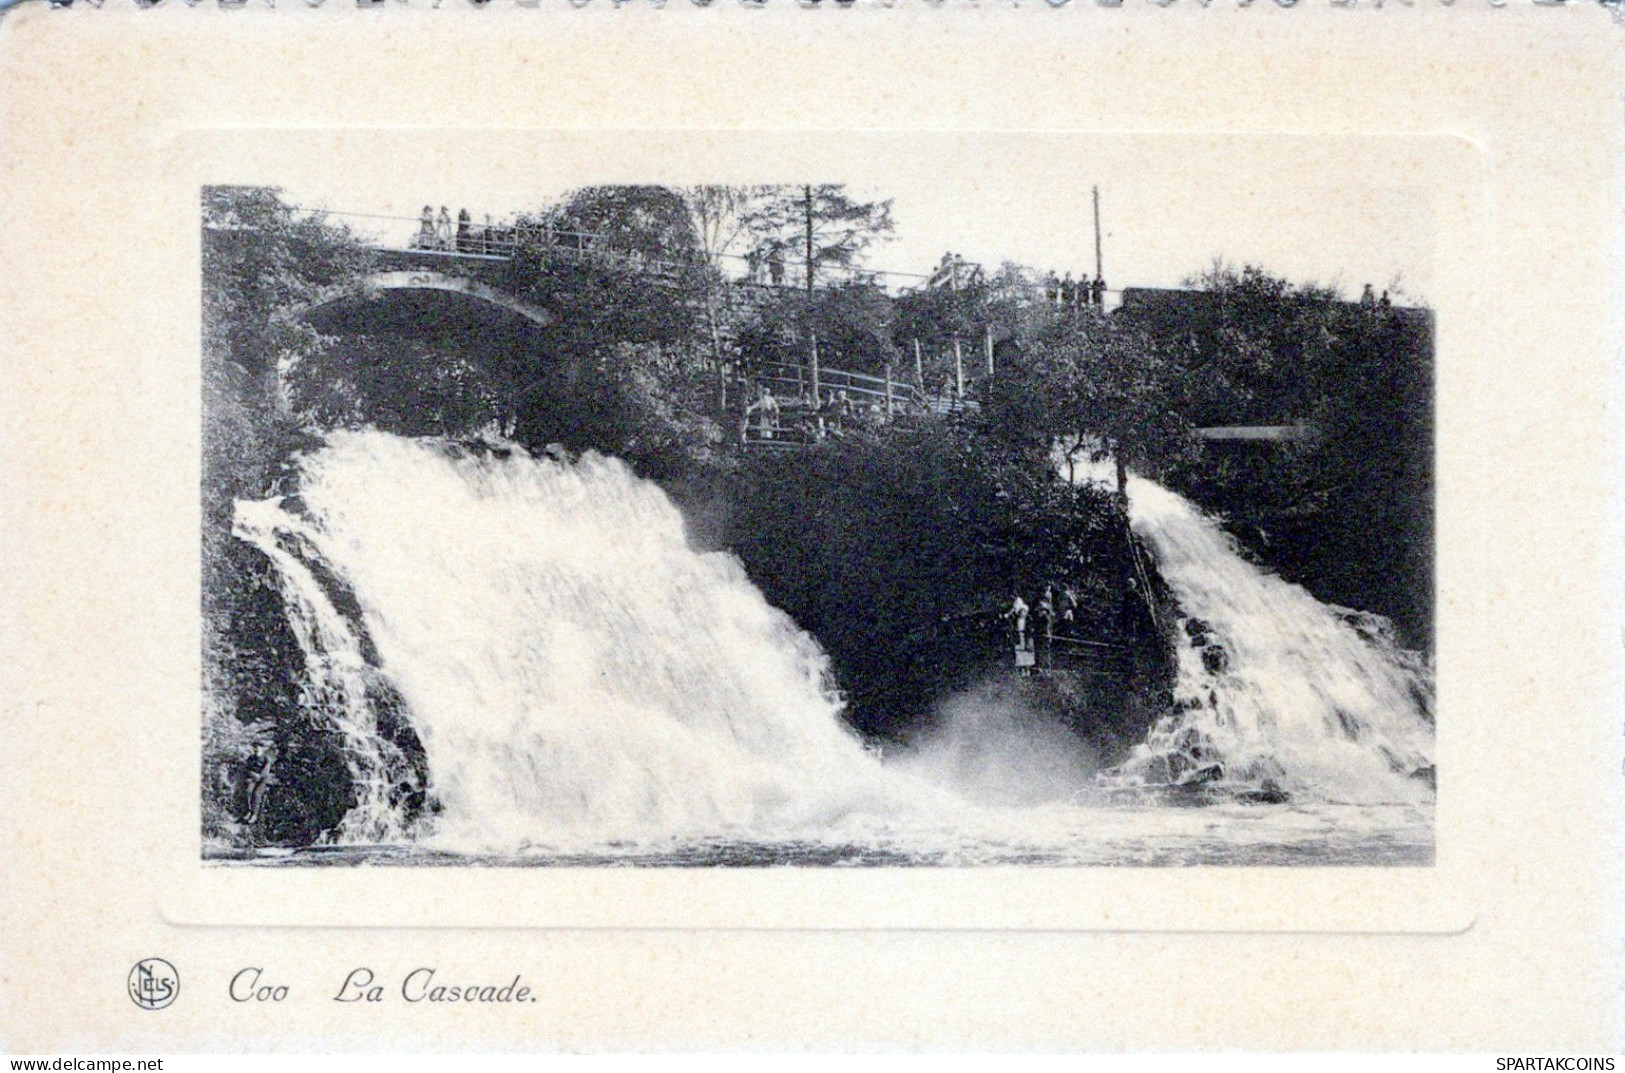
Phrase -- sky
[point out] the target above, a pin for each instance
(1329, 214)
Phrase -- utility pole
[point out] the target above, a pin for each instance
(816, 395)
(808, 205)
(1099, 274)
(990, 352)
(807, 194)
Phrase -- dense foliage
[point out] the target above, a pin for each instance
(1349, 510)
(901, 552)
(262, 260)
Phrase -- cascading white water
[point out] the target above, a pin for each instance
(576, 672)
(583, 680)
(1320, 701)
(334, 687)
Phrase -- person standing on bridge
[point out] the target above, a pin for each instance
(767, 421)
(425, 239)
(1069, 610)
(1017, 617)
(442, 230)
(1044, 635)
(843, 409)
(465, 241)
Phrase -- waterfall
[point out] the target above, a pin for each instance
(582, 680)
(577, 674)
(1273, 686)
(335, 687)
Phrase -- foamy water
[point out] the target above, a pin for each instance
(590, 689)
(1317, 700)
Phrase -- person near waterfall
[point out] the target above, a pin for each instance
(767, 422)
(1017, 617)
(261, 777)
(1044, 634)
(1069, 609)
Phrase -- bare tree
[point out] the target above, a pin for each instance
(722, 218)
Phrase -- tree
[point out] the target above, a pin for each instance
(262, 258)
(1255, 347)
(821, 224)
(630, 364)
(722, 217)
(1347, 511)
(650, 222)
(853, 322)
(1094, 388)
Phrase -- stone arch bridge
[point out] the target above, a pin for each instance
(392, 294)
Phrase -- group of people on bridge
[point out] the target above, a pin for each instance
(1033, 628)
(768, 267)
(437, 232)
(765, 266)
(1072, 293)
(808, 416)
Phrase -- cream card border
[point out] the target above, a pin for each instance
(115, 118)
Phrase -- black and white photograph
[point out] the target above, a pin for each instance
(816, 523)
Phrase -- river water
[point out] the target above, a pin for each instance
(590, 690)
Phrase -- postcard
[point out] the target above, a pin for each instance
(704, 527)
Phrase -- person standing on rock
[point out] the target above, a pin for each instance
(261, 777)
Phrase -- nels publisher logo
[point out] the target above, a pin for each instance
(154, 983)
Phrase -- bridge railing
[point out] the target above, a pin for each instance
(580, 247)
(788, 381)
(501, 241)
(795, 420)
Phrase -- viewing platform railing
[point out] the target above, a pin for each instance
(795, 420)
